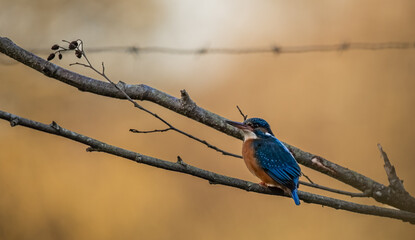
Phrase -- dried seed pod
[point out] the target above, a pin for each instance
(51, 56)
(75, 43)
(78, 53)
(55, 47)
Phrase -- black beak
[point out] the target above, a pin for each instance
(239, 125)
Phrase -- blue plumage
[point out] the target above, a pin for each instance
(277, 161)
(271, 154)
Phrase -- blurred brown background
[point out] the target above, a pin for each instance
(337, 105)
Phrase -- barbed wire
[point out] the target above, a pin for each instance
(275, 49)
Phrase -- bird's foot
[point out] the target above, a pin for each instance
(263, 184)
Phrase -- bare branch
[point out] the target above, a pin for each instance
(212, 177)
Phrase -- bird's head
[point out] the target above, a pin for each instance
(253, 128)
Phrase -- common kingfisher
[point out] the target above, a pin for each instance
(268, 158)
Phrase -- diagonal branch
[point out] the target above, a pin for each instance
(212, 177)
(378, 191)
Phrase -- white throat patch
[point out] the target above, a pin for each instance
(249, 135)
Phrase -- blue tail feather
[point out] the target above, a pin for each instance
(295, 197)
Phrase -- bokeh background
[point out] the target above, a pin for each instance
(335, 104)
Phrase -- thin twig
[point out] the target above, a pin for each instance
(240, 111)
(351, 194)
(309, 179)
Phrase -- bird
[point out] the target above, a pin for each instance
(268, 158)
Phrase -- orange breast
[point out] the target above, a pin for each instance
(253, 166)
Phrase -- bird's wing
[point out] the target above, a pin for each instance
(278, 162)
